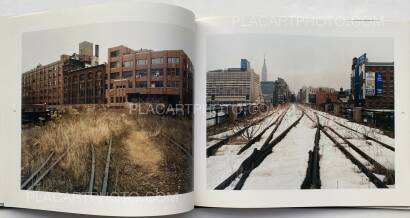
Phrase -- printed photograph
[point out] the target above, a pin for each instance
(106, 110)
(299, 112)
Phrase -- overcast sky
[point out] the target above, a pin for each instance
(300, 60)
(44, 47)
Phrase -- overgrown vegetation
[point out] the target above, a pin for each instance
(143, 161)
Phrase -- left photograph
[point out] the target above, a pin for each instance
(107, 109)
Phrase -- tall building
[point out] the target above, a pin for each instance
(233, 85)
(267, 88)
(282, 92)
(372, 83)
(85, 85)
(44, 84)
(245, 65)
(148, 76)
(264, 70)
(383, 96)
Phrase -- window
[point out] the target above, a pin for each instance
(155, 84)
(126, 74)
(115, 53)
(114, 75)
(173, 83)
(173, 71)
(157, 60)
(127, 64)
(141, 84)
(130, 84)
(142, 62)
(157, 72)
(173, 60)
(140, 73)
(115, 64)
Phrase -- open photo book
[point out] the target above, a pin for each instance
(142, 109)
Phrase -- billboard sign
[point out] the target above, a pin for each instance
(379, 83)
(370, 84)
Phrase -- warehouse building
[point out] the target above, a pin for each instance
(85, 85)
(45, 83)
(148, 76)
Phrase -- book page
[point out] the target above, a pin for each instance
(302, 112)
(99, 118)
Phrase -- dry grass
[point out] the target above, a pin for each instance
(77, 133)
(140, 153)
(139, 144)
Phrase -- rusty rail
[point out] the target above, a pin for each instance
(34, 174)
(278, 120)
(31, 187)
(364, 135)
(213, 148)
(312, 179)
(254, 160)
(92, 176)
(107, 170)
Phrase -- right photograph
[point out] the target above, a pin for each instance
(300, 112)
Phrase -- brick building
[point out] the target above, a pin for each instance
(384, 97)
(44, 84)
(325, 96)
(148, 76)
(85, 85)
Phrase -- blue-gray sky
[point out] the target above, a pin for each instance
(300, 60)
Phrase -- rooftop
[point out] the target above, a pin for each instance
(380, 64)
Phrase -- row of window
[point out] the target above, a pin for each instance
(142, 73)
(144, 84)
(119, 99)
(140, 62)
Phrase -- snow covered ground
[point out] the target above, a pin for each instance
(225, 162)
(213, 139)
(285, 167)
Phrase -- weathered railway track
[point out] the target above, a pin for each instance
(372, 177)
(45, 168)
(277, 122)
(254, 160)
(42, 171)
(92, 174)
(180, 146)
(377, 166)
(211, 150)
(365, 136)
(36, 172)
(312, 179)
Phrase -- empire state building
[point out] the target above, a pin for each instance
(264, 71)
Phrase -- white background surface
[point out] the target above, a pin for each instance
(386, 9)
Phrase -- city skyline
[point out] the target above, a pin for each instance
(283, 51)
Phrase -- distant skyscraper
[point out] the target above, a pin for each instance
(245, 65)
(264, 70)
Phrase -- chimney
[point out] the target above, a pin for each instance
(96, 50)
